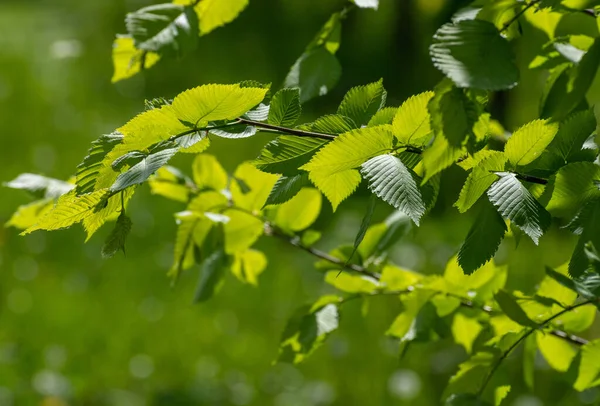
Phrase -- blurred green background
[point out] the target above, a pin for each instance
(79, 330)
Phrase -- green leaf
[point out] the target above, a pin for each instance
(528, 142)
(285, 108)
(364, 225)
(479, 180)
(362, 102)
(450, 115)
(465, 330)
(308, 329)
(331, 169)
(500, 394)
(141, 171)
(285, 154)
(352, 283)
(248, 266)
(128, 61)
(213, 14)
(167, 29)
(413, 302)
(395, 184)
(259, 184)
(384, 116)
(300, 212)
(411, 123)
(557, 352)
(242, 230)
(116, 239)
(189, 225)
(529, 355)
(515, 203)
(318, 70)
(511, 308)
(315, 73)
(483, 284)
(569, 86)
(439, 156)
(213, 102)
(573, 187)
(287, 187)
(89, 169)
(589, 366)
(589, 240)
(30, 214)
(208, 173)
(469, 378)
(462, 52)
(40, 186)
(70, 209)
(483, 240)
(211, 275)
(108, 212)
(332, 124)
(573, 133)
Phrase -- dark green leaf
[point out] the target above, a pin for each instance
(211, 274)
(285, 108)
(308, 329)
(569, 86)
(287, 187)
(362, 102)
(483, 239)
(511, 308)
(473, 54)
(164, 28)
(315, 73)
(285, 154)
(116, 240)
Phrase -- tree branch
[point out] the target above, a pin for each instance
(285, 130)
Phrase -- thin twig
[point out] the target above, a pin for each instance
(285, 130)
(527, 334)
(519, 14)
(294, 240)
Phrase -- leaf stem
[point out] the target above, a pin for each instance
(527, 334)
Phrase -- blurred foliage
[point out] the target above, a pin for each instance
(78, 329)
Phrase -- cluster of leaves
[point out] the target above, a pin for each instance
(521, 183)
(170, 30)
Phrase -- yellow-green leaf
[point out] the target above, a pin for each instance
(241, 231)
(528, 142)
(248, 266)
(465, 330)
(70, 209)
(129, 61)
(411, 122)
(214, 102)
(300, 212)
(208, 173)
